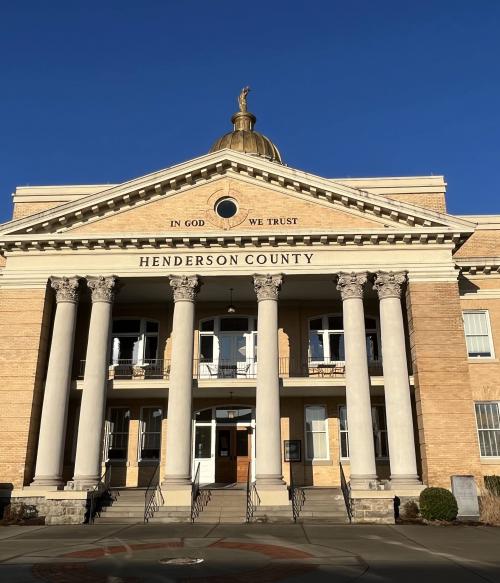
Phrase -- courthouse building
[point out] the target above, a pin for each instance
(232, 320)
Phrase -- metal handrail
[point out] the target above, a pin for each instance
(297, 496)
(199, 496)
(98, 494)
(346, 491)
(153, 497)
(253, 498)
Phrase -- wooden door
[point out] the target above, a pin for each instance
(243, 452)
(225, 459)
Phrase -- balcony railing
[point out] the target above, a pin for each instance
(159, 369)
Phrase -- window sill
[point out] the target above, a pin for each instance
(485, 359)
(490, 460)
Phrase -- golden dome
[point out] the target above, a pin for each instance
(244, 138)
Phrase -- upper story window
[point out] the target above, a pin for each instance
(488, 428)
(228, 345)
(478, 334)
(134, 341)
(326, 339)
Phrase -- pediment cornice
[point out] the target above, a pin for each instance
(56, 224)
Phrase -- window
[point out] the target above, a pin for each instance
(150, 436)
(488, 428)
(116, 442)
(134, 341)
(380, 439)
(226, 208)
(316, 422)
(478, 334)
(326, 339)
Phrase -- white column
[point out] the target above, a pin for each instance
(396, 384)
(269, 473)
(359, 411)
(49, 461)
(95, 384)
(177, 479)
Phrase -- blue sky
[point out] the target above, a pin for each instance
(110, 90)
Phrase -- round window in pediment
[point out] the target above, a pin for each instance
(226, 208)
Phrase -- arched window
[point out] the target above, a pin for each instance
(326, 339)
(134, 341)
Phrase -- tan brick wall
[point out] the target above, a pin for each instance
(254, 202)
(25, 209)
(482, 243)
(445, 414)
(434, 201)
(24, 333)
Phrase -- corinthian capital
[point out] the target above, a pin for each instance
(350, 285)
(388, 284)
(103, 289)
(267, 287)
(185, 287)
(66, 288)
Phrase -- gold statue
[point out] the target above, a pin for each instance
(242, 98)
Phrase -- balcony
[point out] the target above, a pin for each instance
(159, 369)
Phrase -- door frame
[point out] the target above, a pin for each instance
(209, 469)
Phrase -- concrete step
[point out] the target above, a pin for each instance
(120, 513)
(118, 520)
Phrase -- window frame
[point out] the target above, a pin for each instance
(141, 335)
(479, 430)
(250, 337)
(326, 432)
(377, 436)
(108, 433)
(489, 333)
(142, 432)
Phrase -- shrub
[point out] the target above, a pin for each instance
(489, 506)
(492, 484)
(410, 509)
(438, 504)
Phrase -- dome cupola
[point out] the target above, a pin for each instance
(244, 138)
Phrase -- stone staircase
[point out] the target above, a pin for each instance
(127, 508)
(324, 505)
(224, 506)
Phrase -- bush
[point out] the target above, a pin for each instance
(438, 504)
(489, 506)
(492, 484)
(410, 510)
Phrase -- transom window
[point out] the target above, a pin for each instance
(134, 341)
(379, 424)
(488, 428)
(478, 334)
(326, 339)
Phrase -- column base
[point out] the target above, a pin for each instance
(82, 483)
(402, 481)
(272, 492)
(363, 481)
(264, 480)
(47, 483)
(177, 492)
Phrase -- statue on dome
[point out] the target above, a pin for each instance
(242, 98)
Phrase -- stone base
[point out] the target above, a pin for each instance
(58, 507)
(372, 507)
(176, 494)
(276, 495)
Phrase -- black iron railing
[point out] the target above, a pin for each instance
(296, 495)
(153, 497)
(204, 369)
(199, 496)
(99, 496)
(253, 499)
(346, 491)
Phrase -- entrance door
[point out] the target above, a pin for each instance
(233, 454)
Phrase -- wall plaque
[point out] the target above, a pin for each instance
(292, 450)
(465, 491)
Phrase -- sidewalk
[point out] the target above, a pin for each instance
(249, 553)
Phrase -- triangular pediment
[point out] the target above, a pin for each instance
(274, 197)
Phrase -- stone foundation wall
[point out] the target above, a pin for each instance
(373, 511)
(54, 511)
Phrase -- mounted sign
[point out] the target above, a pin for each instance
(292, 450)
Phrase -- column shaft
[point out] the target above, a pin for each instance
(396, 384)
(179, 422)
(49, 461)
(359, 412)
(95, 383)
(268, 417)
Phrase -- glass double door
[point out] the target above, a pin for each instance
(233, 454)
